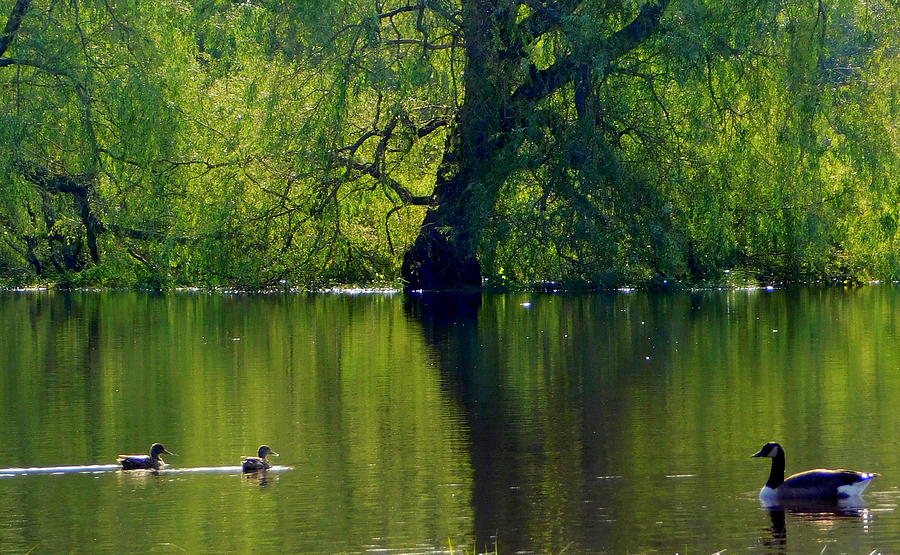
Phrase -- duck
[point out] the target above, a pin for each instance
(819, 483)
(150, 462)
(252, 464)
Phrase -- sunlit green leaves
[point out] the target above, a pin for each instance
(248, 142)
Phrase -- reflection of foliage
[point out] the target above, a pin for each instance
(356, 433)
(245, 143)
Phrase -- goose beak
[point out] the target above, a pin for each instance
(759, 454)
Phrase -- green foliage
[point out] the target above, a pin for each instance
(724, 144)
(242, 144)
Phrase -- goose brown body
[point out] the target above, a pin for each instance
(818, 483)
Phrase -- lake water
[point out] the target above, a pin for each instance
(619, 423)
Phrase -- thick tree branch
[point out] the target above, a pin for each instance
(546, 82)
(430, 127)
(418, 9)
(37, 65)
(146, 235)
(546, 17)
(402, 9)
(636, 32)
(13, 24)
(80, 187)
(423, 43)
(372, 170)
(346, 156)
(406, 196)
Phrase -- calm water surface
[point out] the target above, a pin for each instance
(580, 423)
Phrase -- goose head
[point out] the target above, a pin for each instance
(770, 450)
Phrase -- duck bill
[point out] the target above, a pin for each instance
(274, 454)
(167, 452)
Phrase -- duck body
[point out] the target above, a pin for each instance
(255, 464)
(819, 483)
(153, 461)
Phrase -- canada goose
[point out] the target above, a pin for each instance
(818, 483)
(151, 461)
(252, 464)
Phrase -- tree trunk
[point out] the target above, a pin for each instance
(499, 99)
(444, 255)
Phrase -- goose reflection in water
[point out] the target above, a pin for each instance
(823, 512)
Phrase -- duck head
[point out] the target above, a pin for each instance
(157, 449)
(265, 450)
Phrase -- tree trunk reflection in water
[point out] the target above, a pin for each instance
(451, 328)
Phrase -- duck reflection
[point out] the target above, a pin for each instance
(825, 513)
(139, 478)
(258, 477)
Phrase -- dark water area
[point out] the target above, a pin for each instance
(611, 423)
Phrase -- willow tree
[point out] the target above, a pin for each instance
(501, 96)
(448, 141)
(124, 157)
(85, 109)
(604, 142)
(513, 59)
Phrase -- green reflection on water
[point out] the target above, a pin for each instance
(625, 422)
(545, 422)
(340, 386)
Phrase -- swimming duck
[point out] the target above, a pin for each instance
(251, 464)
(151, 461)
(819, 483)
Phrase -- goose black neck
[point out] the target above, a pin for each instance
(776, 475)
